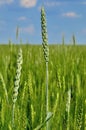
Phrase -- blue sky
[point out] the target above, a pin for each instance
(64, 17)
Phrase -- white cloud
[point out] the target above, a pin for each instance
(28, 3)
(29, 29)
(22, 18)
(71, 15)
(2, 2)
(52, 4)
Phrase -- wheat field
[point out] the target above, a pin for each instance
(67, 87)
(43, 87)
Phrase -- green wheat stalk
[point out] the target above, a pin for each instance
(46, 52)
(17, 81)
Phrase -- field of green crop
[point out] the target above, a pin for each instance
(66, 87)
(43, 87)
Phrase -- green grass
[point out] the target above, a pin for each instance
(67, 71)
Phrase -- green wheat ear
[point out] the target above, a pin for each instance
(17, 81)
(17, 32)
(44, 35)
(2, 83)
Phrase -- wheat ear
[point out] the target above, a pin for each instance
(17, 80)
(4, 87)
(44, 35)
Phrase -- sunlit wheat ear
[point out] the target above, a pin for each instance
(78, 83)
(44, 35)
(30, 84)
(56, 104)
(17, 80)
(4, 87)
(68, 107)
(31, 94)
